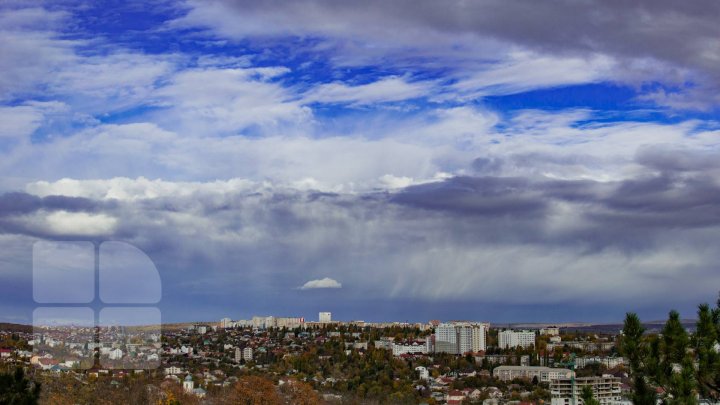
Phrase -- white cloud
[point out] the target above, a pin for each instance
(479, 42)
(321, 283)
(384, 90)
(524, 71)
(125, 189)
(122, 79)
(29, 59)
(19, 122)
(399, 153)
(212, 101)
(80, 223)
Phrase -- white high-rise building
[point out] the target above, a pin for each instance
(289, 322)
(226, 323)
(325, 317)
(509, 339)
(461, 337)
(263, 322)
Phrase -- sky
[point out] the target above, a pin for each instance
(495, 160)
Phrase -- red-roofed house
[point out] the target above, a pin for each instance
(455, 397)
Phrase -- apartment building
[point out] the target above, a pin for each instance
(509, 339)
(543, 374)
(606, 389)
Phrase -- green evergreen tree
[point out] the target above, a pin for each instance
(16, 389)
(677, 374)
(706, 336)
(588, 396)
(634, 349)
(675, 339)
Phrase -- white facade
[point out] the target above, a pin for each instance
(461, 337)
(289, 323)
(115, 354)
(263, 322)
(226, 323)
(509, 339)
(409, 348)
(606, 390)
(608, 362)
(423, 373)
(543, 374)
(550, 331)
(188, 384)
(172, 370)
(247, 353)
(384, 343)
(325, 317)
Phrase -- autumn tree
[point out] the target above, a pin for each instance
(250, 390)
(300, 393)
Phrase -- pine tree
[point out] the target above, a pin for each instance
(631, 344)
(706, 336)
(588, 397)
(634, 349)
(675, 339)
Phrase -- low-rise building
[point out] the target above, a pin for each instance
(584, 346)
(543, 374)
(409, 348)
(607, 362)
(174, 370)
(386, 344)
(550, 331)
(115, 354)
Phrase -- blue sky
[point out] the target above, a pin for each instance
(496, 160)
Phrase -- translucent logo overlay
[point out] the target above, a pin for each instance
(96, 307)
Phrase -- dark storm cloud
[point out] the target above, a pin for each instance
(22, 203)
(627, 215)
(684, 33)
(663, 202)
(677, 160)
(484, 234)
(683, 192)
(488, 196)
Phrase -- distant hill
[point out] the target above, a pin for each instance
(15, 327)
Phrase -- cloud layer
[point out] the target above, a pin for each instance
(442, 160)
